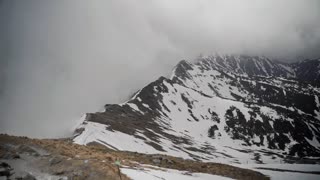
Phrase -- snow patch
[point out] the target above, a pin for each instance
(135, 107)
(275, 175)
(167, 174)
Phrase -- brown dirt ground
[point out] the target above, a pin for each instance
(100, 160)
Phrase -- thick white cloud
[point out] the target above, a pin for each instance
(61, 59)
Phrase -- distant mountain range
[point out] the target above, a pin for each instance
(240, 109)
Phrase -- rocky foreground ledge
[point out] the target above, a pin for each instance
(28, 159)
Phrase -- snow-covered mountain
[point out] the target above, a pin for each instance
(239, 109)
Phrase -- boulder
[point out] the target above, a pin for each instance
(5, 170)
(156, 161)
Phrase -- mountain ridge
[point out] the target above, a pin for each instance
(241, 111)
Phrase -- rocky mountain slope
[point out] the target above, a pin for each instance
(238, 109)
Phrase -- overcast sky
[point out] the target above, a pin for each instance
(60, 59)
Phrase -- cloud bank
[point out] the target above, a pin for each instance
(60, 59)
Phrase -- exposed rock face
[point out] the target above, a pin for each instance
(5, 170)
(220, 108)
(308, 71)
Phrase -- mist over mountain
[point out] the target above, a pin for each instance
(61, 59)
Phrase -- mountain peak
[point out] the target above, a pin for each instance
(218, 108)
